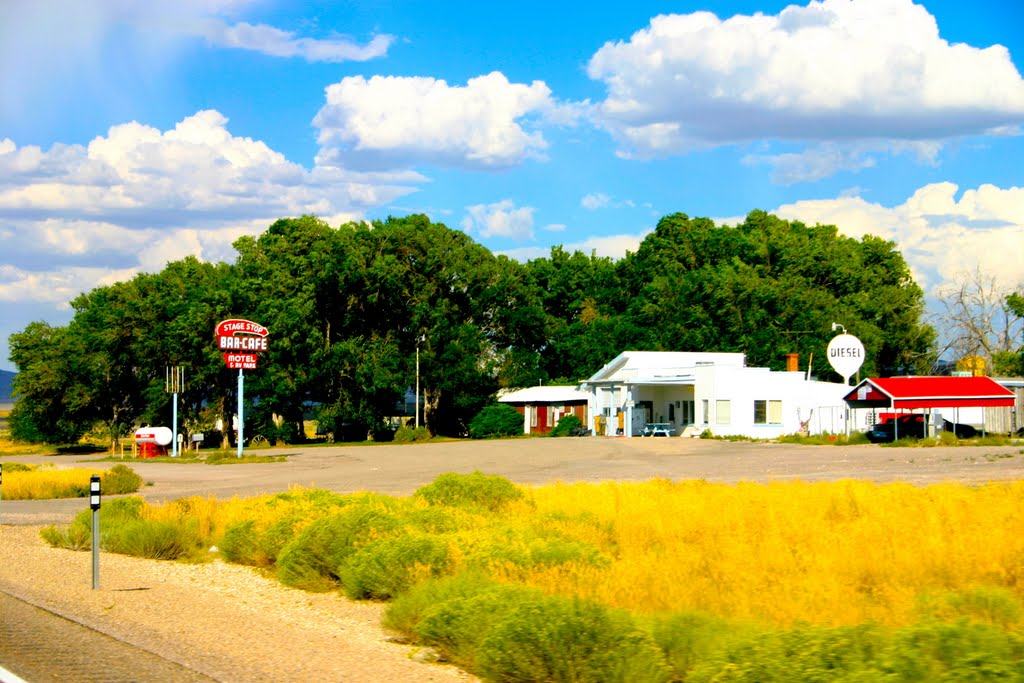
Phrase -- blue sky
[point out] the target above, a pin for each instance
(133, 133)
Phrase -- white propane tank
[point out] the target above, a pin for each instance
(158, 435)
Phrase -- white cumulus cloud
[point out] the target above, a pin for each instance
(75, 216)
(392, 121)
(500, 219)
(941, 236)
(867, 72)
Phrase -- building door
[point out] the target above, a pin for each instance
(542, 418)
(689, 413)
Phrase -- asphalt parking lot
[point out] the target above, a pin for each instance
(401, 469)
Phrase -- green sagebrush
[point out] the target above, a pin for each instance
(313, 560)
(391, 566)
(120, 479)
(476, 490)
(123, 530)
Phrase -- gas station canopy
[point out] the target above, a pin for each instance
(929, 392)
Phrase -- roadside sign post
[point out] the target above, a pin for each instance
(241, 420)
(241, 341)
(94, 505)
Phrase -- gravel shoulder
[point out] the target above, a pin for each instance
(233, 624)
(221, 620)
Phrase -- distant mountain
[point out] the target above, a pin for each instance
(5, 386)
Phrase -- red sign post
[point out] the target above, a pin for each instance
(241, 341)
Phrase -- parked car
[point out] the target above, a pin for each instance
(904, 426)
(962, 431)
(913, 427)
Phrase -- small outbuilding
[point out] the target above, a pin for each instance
(945, 396)
(543, 406)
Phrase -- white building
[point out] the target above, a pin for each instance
(688, 392)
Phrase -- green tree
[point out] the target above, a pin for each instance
(582, 297)
(477, 322)
(1013, 363)
(52, 404)
(497, 419)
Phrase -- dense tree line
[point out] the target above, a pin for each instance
(347, 308)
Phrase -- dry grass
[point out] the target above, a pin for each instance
(836, 553)
(824, 553)
(47, 483)
(10, 447)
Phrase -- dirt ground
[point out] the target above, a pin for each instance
(401, 469)
(232, 624)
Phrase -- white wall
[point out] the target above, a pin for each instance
(801, 400)
(819, 404)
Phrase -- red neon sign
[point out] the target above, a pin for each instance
(241, 340)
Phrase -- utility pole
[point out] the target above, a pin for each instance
(174, 383)
(422, 338)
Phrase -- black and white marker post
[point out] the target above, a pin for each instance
(94, 504)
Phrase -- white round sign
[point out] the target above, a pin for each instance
(846, 355)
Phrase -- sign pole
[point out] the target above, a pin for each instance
(241, 421)
(174, 427)
(94, 505)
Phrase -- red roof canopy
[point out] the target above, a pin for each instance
(929, 392)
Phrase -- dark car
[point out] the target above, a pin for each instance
(905, 426)
(962, 431)
(912, 427)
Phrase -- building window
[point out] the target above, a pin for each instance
(723, 412)
(707, 414)
(533, 415)
(767, 412)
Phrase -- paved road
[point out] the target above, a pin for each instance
(40, 646)
(401, 469)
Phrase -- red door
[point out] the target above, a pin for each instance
(542, 418)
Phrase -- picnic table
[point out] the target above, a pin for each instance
(657, 429)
